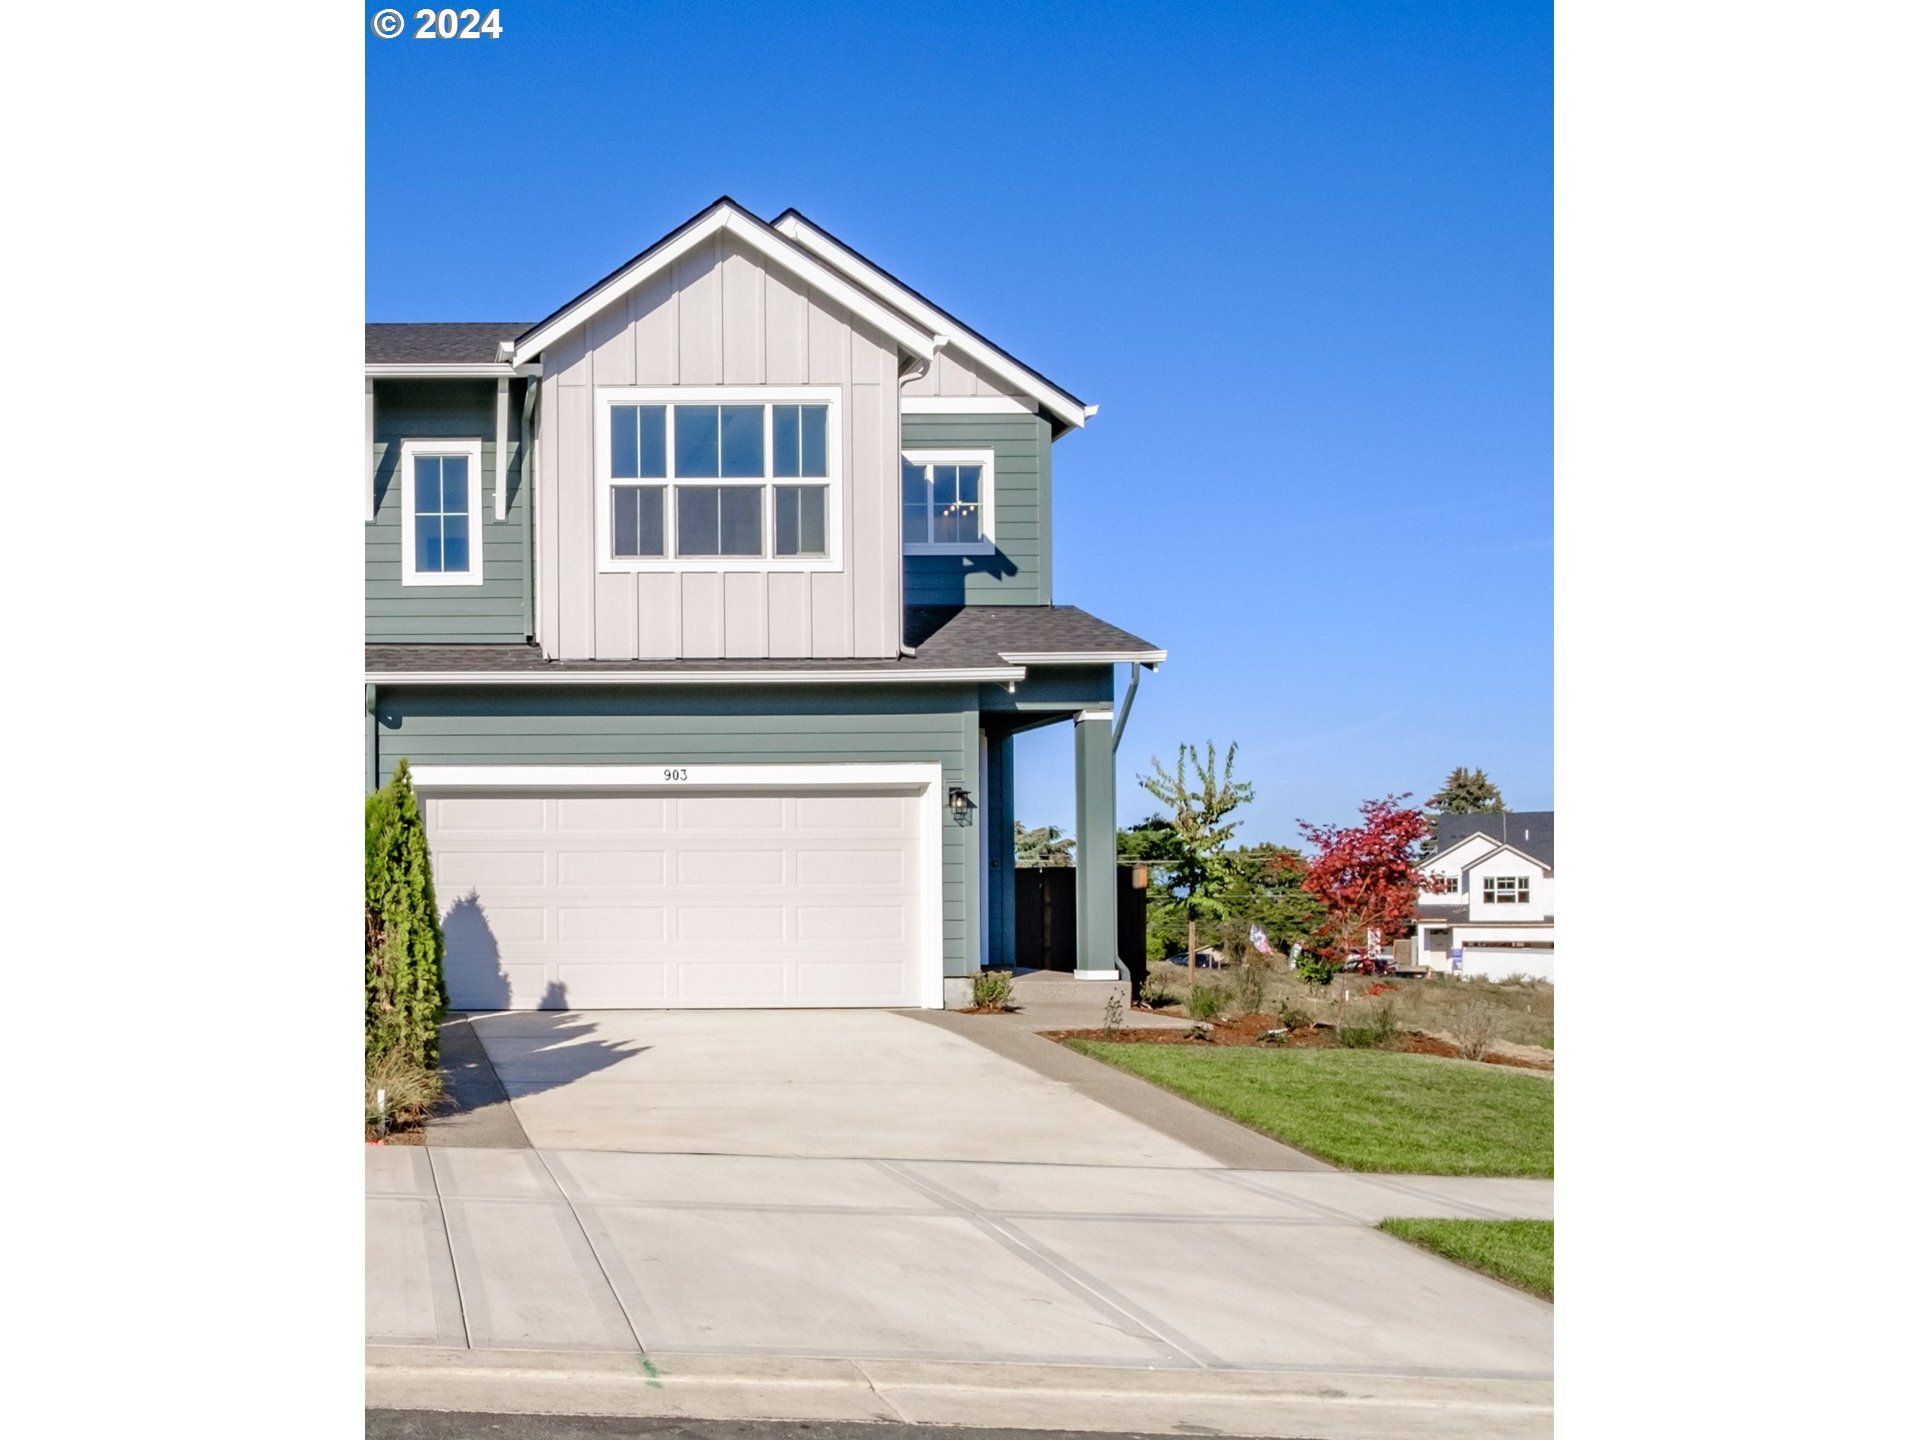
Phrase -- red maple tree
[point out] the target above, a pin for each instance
(1366, 875)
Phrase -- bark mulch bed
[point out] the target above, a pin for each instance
(1258, 1030)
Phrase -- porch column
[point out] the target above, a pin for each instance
(998, 882)
(1098, 952)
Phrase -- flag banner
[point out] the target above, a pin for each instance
(1257, 938)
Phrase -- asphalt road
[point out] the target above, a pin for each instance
(445, 1425)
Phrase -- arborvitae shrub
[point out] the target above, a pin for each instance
(406, 991)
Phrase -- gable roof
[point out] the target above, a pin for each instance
(726, 216)
(1504, 848)
(1067, 411)
(1528, 831)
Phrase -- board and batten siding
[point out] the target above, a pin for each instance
(492, 612)
(720, 316)
(580, 725)
(954, 377)
(1020, 572)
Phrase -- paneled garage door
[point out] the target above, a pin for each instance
(571, 899)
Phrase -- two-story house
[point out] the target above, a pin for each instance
(1493, 912)
(705, 611)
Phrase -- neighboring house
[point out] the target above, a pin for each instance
(1496, 907)
(705, 611)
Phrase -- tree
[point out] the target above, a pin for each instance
(1196, 866)
(406, 992)
(1367, 875)
(1467, 792)
(1043, 847)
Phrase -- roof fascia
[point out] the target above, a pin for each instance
(725, 217)
(1068, 410)
(1508, 847)
(431, 370)
(966, 675)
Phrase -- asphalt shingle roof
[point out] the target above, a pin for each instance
(1528, 831)
(464, 343)
(970, 637)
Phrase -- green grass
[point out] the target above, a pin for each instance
(1362, 1109)
(1519, 1252)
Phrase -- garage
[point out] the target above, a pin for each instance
(643, 887)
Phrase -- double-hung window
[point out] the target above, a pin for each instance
(1506, 889)
(440, 512)
(728, 479)
(946, 502)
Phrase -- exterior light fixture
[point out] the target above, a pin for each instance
(959, 804)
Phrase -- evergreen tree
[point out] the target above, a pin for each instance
(406, 991)
(1467, 792)
(1043, 847)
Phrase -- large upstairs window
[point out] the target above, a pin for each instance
(719, 479)
(946, 502)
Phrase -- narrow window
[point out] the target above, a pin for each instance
(441, 537)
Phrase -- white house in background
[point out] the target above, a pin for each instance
(1494, 910)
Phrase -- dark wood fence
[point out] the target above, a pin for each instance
(1044, 931)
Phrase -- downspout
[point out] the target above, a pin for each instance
(529, 404)
(373, 740)
(1126, 708)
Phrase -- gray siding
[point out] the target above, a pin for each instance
(1021, 572)
(581, 725)
(494, 611)
(720, 316)
(955, 377)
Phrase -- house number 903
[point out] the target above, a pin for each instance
(673, 772)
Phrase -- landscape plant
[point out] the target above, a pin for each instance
(406, 991)
(1196, 867)
(992, 989)
(1204, 1002)
(1367, 875)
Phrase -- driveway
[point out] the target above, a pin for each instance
(866, 1189)
(825, 1084)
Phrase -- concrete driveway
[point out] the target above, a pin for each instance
(868, 1084)
(759, 1192)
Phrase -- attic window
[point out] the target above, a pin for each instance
(946, 502)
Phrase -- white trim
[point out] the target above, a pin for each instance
(1096, 974)
(448, 370)
(985, 544)
(373, 470)
(476, 548)
(926, 776)
(1087, 657)
(607, 397)
(980, 674)
(1092, 715)
(968, 405)
(976, 348)
(500, 449)
(751, 232)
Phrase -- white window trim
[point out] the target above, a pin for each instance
(476, 547)
(1521, 894)
(984, 459)
(608, 397)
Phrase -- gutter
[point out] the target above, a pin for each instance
(999, 674)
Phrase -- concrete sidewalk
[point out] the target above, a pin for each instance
(486, 1267)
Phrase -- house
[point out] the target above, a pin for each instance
(1494, 912)
(705, 611)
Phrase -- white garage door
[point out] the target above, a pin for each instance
(571, 899)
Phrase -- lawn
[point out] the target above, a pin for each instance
(1519, 1252)
(1363, 1109)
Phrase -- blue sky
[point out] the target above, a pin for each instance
(1299, 254)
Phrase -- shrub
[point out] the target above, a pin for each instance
(411, 1088)
(1205, 1002)
(1478, 1027)
(1370, 1029)
(1154, 993)
(992, 990)
(1316, 970)
(1250, 984)
(1293, 1017)
(406, 992)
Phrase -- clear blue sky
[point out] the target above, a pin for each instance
(1299, 254)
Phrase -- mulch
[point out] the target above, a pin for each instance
(1244, 1030)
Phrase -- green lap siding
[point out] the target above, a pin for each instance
(493, 611)
(1021, 572)
(589, 725)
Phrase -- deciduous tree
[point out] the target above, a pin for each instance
(1367, 875)
(1196, 867)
